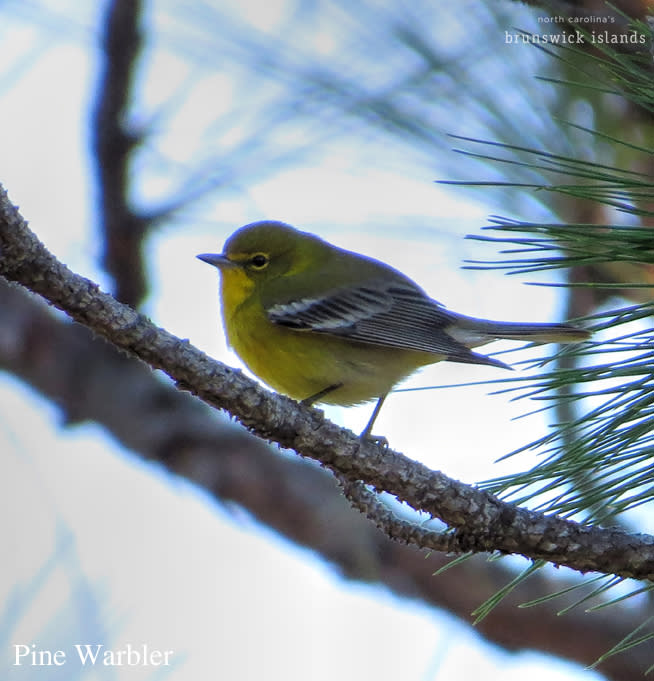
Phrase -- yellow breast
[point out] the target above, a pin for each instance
(301, 364)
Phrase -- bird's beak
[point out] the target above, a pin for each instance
(216, 259)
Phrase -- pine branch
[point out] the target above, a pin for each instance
(89, 380)
(481, 522)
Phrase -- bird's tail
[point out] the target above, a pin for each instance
(472, 332)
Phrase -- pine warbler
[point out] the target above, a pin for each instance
(322, 324)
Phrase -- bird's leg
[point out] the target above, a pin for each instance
(308, 401)
(366, 434)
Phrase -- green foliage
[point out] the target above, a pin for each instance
(596, 463)
(608, 442)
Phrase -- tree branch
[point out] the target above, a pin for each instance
(481, 521)
(113, 142)
(89, 379)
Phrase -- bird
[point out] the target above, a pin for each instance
(322, 324)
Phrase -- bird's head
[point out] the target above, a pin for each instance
(266, 250)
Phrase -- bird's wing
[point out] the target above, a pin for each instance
(384, 313)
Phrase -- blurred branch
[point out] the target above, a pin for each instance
(123, 229)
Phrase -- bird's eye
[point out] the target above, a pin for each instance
(259, 261)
